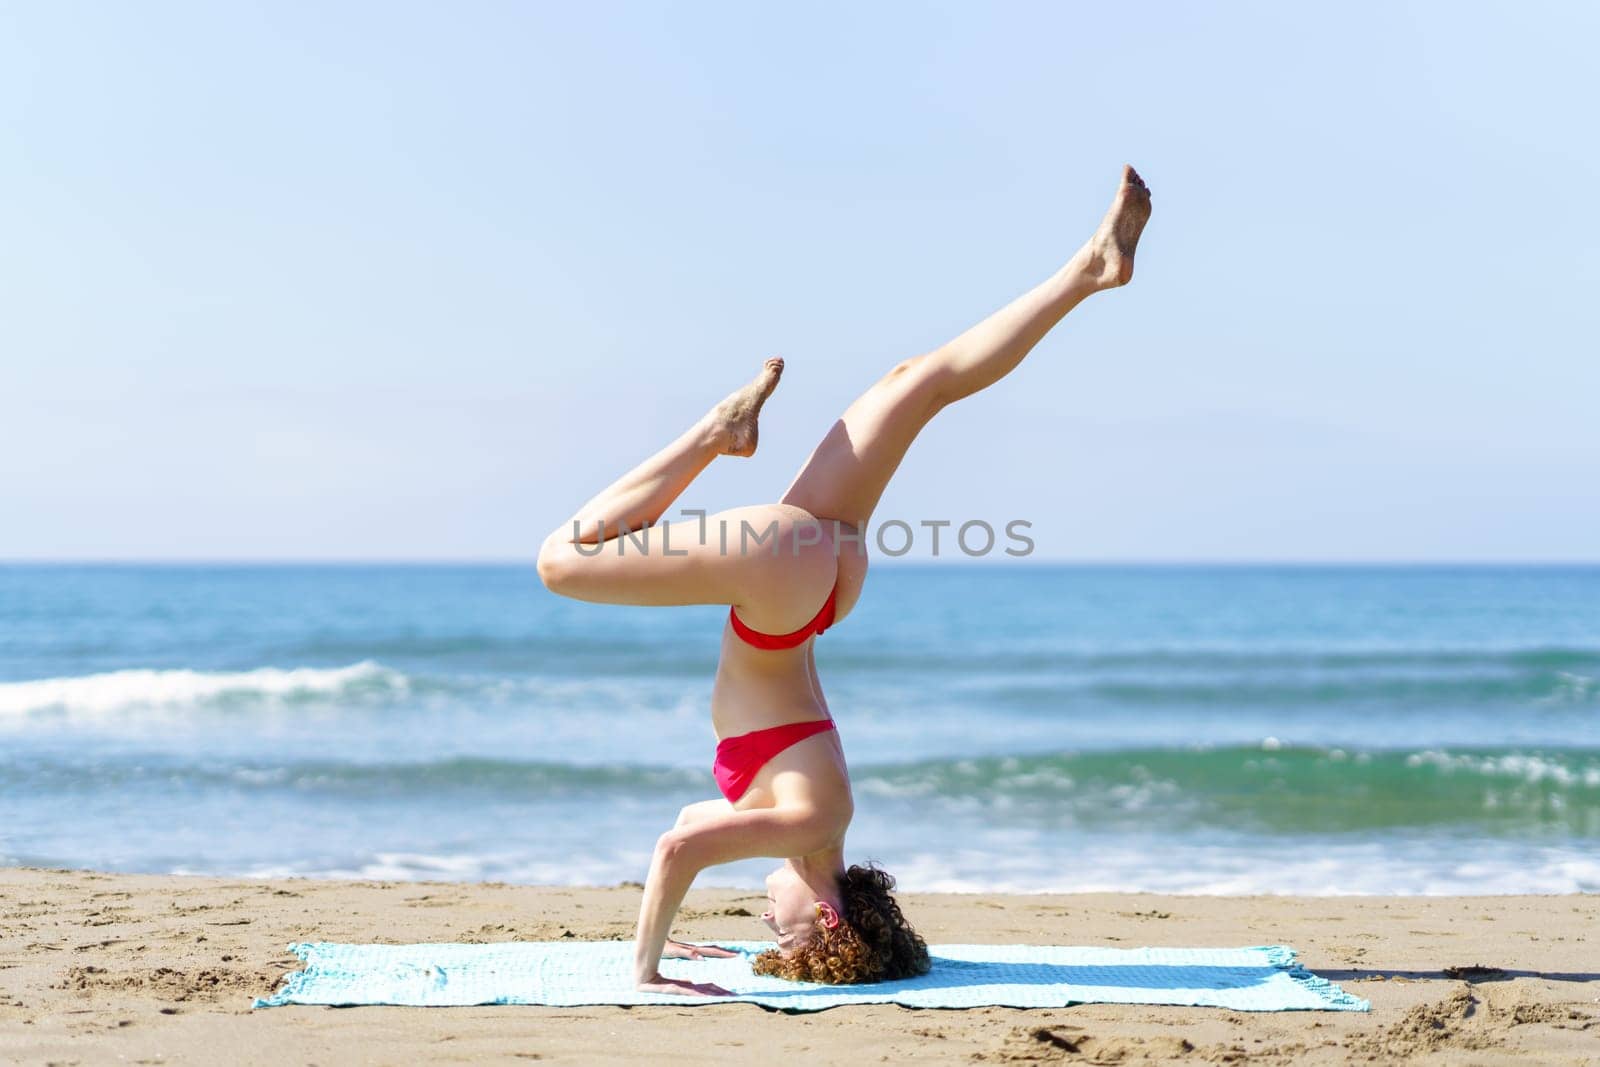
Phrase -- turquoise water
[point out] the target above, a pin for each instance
(1221, 730)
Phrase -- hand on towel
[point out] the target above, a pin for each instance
(679, 950)
(680, 988)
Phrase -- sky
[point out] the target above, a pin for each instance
(412, 281)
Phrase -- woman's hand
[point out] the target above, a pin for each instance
(679, 950)
(679, 988)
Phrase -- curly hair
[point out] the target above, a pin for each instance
(872, 942)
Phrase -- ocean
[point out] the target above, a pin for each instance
(1311, 730)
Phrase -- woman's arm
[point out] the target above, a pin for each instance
(686, 850)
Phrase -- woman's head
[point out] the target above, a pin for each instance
(855, 933)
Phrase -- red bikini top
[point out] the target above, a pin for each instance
(774, 642)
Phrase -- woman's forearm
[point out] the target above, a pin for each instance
(671, 874)
(685, 851)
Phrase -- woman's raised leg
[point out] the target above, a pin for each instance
(849, 470)
(614, 551)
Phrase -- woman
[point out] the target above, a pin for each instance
(788, 571)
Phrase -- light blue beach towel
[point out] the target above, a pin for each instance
(568, 973)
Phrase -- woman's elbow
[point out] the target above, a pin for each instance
(671, 846)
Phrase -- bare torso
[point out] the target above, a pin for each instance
(756, 689)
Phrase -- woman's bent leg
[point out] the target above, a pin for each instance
(769, 561)
(641, 496)
(773, 562)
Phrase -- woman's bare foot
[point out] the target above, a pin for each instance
(1107, 259)
(733, 422)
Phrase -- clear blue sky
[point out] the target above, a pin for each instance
(388, 280)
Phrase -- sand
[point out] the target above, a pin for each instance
(113, 968)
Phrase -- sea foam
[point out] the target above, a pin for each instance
(130, 689)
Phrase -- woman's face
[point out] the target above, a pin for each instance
(792, 909)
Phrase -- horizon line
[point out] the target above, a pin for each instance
(878, 561)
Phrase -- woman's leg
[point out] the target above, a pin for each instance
(638, 498)
(614, 551)
(849, 470)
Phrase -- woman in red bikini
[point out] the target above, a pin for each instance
(788, 571)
